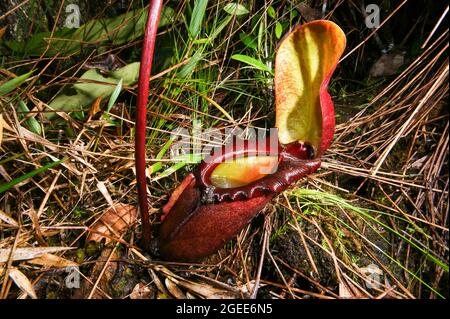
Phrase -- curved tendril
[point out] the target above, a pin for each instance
(154, 13)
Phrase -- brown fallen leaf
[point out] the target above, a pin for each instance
(308, 12)
(162, 289)
(3, 125)
(347, 290)
(22, 282)
(28, 252)
(50, 260)
(115, 221)
(387, 64)
(2, 31)
(204, 290)
(102, 188)
(142, 291)
(95, 107)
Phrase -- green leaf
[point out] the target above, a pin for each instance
(189, 67)
(251, 61)
(32, 124)
(172, 169)
(114, 95)
(260, 34)
(293, 14)
(278, 30)
(93, 85)
(7, 87)
(219, 29)
(188, 158)
(158, 166)
(197, 17)
(5, 187)
(271, 12)
(181, 161)
(116, 31)
(235, 9)
(249, 41)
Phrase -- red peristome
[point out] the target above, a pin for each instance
(295, 161)
(235, 149)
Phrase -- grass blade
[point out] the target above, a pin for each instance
(5, 187)
(197, 17)
(32, 124)
(7, 87)
(114, 95)
(332, 200)
(235, 9)
(257, 64)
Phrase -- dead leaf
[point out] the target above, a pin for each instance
(158, 283)
(201, 289)
(347, 290)
(29, 252)
(204, 290)
(308, 12)
(240, 291)
(2, 31)
(387, 64)
(344, 292)
(3, 125)
(115, 221)
(7, 219)
(142, 291)
(95, 107)
(102, 188)
(50, 260)
(418, 164)
(174, 290)
(373, 275)
(22, 282)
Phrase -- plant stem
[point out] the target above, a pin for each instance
(154, 12)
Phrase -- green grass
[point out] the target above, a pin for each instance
(327, 203)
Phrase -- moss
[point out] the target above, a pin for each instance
(52, 295)
(93, 248)
(79, 256)
(80, 214)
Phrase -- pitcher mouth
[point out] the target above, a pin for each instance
(222, 176)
